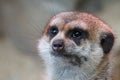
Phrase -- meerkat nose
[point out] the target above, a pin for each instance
(58, 45)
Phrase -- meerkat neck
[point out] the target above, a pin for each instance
(104, 71)
(69, 73)
(61, 72)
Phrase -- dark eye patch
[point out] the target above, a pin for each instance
(52, 31)
(77, 34)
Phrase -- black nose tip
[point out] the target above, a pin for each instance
(58, 45)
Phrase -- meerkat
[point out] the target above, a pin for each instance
(76, 46)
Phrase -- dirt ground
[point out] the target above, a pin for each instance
(19, 65)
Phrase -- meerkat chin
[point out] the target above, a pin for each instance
(76, 46)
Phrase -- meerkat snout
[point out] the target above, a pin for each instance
(76, 46)
(58, 45)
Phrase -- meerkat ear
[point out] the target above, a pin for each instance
(107, 41)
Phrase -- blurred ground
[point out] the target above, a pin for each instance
(19, 64)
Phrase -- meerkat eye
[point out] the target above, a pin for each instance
(53, 30)
(76, 34)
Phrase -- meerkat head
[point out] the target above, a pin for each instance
(75, 40)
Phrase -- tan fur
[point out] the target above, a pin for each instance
(115, 59)
(116, 72)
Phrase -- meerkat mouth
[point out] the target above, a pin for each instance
(72, 58)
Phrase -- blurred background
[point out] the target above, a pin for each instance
(21, 25)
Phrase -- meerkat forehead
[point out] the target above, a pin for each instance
(91, 20)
